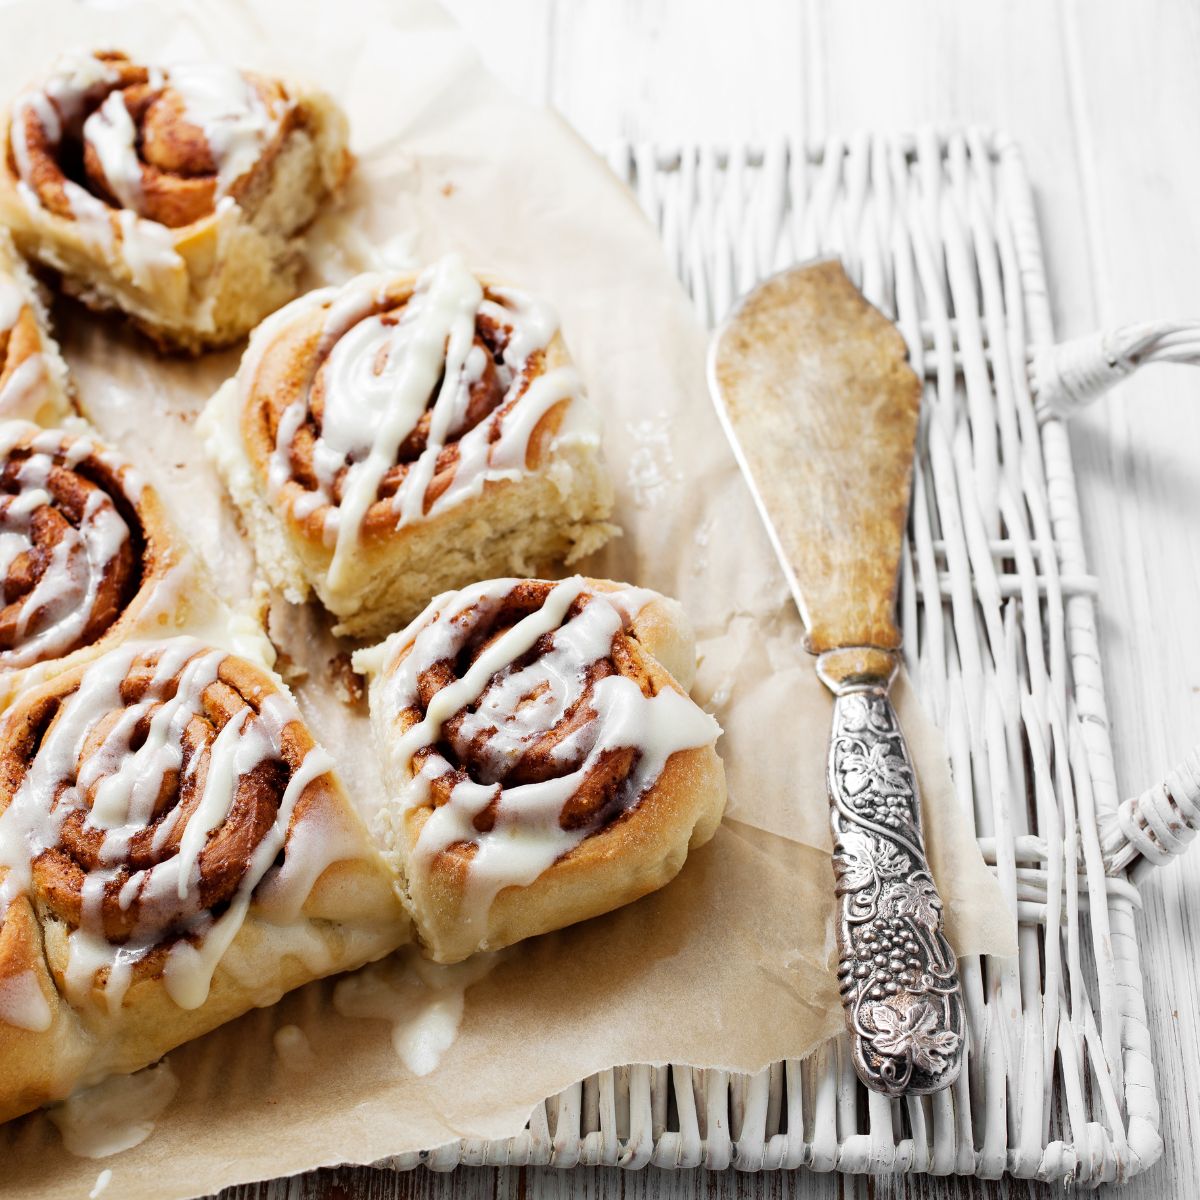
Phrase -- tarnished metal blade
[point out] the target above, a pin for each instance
(817, 394)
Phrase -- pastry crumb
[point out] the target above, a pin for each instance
(347, 683)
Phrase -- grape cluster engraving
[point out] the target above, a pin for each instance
(897, 971)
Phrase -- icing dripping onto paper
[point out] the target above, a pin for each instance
(423, 1001)
(114, 1115)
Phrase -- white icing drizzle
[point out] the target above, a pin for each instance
(508, 709)
(369, 413)
(189, 969)
(92, 216)
(302, 941)
(12, 302)
(56, 610)
(23, 1004)
(58, 103)
(423, 1001)
(24, 388)
(313, 844)
(57, 106)
(29, 384)
(382, 374)
(293, 1048)
(218, 99)
(149, 248)
(124, 783)
(101, 1184)
(111, 133)
(114, 1115)
(222, 102)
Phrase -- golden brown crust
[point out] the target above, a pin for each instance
(630, 844)
(320, 900)
(626, 860)
(37, 1064)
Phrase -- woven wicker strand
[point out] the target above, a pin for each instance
(999, 615)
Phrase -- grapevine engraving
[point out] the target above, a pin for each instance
(897, 972)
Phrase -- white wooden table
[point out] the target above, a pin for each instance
(1104, 96)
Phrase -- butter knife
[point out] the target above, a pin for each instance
(821, 407)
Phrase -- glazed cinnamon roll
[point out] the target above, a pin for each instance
(86, 552)
(405, 434)
(174, 849)
(178, 194)
(33, 376)
(544, 760)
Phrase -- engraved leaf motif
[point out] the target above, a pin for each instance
(859, 714)
(919, 901)
(862, 859)
(912, 1033)
(874, 765)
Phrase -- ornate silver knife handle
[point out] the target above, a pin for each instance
(898, 975)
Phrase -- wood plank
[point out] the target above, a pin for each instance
(1136, 94)
(590, 1183)
(898, 67)
(717, 72)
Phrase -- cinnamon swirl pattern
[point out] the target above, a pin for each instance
(85, 549)
(174, 849)
(402, 435)
(177, 193)
(545, 760)
(33, 376)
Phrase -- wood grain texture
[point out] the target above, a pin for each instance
(1139, 478)
(1103, 96)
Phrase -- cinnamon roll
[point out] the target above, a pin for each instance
(544, 760)
(404, 434)
(174, 849)
(178, 194)
(86, 553)
(33, 376)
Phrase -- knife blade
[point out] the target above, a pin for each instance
(821, 407)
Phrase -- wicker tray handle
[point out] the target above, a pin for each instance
(1070, 375)
(1154, 827)
(1150, 829)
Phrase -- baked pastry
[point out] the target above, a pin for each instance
(178, 194)
(87, 555)
(544, 760)
(406, 434)
(33, 376)
(174, 850)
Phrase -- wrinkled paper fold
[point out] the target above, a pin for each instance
(729, 966)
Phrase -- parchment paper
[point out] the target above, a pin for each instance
(730, 965)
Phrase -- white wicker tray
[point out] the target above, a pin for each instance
(999, 618)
